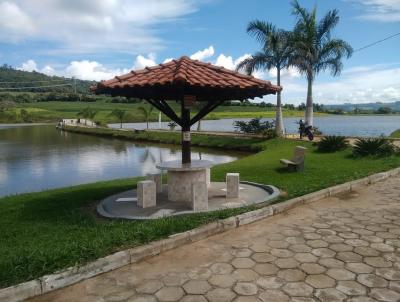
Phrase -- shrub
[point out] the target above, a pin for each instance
(332, 143)
(373, 146)
(254, 126)
(172, 125)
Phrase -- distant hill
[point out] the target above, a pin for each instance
(394, 106)
(13, 80)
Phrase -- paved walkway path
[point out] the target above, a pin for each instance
(345, 248)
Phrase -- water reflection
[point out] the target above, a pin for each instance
(41, 157)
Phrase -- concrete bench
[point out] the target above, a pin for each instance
(157, 178)
(146, 194)
(232, 185)
(297, 161)
(199, 196)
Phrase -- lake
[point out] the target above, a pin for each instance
(347, 125)
(38, 157)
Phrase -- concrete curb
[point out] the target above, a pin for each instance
(75, 274)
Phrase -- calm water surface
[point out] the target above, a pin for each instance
(335, 124)
(33, 158)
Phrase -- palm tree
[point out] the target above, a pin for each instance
(85, 113)
(146, 112)
(92, 114)
(275, 53)
(314, 48)
(119, 114)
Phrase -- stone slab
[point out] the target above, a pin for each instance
(146, 194)
(199, 196)
(232, 185)
(75, 274)
(21, 291)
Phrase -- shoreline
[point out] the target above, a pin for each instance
(241, 143)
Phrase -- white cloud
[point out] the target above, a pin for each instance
(91, 70)
(48, 70)
(31, 65)
(84, 70)
(167, 60)
(379, 85)
(201, 55)
(142, 62)
(290, 72)
(359, 84)
(228, 62)
(380, 10)
(14, 21)
(87, 26)
(225, 61)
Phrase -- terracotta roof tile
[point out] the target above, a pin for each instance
(189, 74)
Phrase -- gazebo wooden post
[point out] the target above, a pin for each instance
(185, 118)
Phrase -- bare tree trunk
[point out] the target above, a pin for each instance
(199, 125)
(309, 106)
(279, 127)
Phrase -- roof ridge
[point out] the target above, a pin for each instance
(180, 74)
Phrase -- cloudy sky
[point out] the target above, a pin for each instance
(97, 39)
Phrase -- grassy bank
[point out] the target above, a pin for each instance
(395, 134)
(44, 232)
(54, 111)
(164, 137)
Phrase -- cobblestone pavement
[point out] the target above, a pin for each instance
(345, 248)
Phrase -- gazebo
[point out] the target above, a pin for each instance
(187, 82)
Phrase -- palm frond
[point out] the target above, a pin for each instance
(260, 30)
(257, 61)
(327, 23)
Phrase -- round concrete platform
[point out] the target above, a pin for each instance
(124, 204)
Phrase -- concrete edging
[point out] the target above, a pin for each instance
(76, 274)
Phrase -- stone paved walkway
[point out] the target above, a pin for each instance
(345, 248)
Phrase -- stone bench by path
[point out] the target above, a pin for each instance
(342, 248)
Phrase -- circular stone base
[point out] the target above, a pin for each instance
(123, 205)
(181, 176)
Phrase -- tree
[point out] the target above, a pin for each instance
(301, 106)
(84, 113)
(275, 53)
(120, 115)
(87, 113)
(384, 110)
(314, 48)
(146, 112)
(92, 114)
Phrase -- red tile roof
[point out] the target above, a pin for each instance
(187, 76)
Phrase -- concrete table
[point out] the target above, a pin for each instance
(181, 176)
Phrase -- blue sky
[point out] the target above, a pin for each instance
(99, 39)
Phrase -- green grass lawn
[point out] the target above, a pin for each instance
(395, 134)
(54, 111)
(47, 231)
